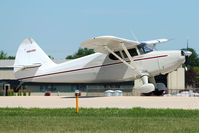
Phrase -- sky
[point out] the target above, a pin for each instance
(60, 26)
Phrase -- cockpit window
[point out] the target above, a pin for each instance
(132, 52)
(141, 50)
(124, 54)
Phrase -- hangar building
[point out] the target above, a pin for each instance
(7, 79)
(174, 81)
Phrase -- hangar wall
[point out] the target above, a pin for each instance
(62, 89)
(6, 74)
(175, 82)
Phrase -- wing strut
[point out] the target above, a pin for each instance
(131, 65)
(130, 58)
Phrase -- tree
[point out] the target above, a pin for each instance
(51, 57)
(80, 53)
(3, 55)
(11, 57)
(196, 69)
(190, 77)
(193, 60)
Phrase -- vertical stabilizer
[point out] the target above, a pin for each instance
(30, 54)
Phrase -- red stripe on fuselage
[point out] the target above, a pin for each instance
(151, 57)
(90, 67)
(29, 51)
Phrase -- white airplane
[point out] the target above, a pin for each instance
(115, 60)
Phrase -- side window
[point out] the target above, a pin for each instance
(133, 52)
(141, 50)
(125, 56)
(111, 56)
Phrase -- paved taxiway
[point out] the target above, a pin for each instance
(100, 102)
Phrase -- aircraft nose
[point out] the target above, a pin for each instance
(186, 53)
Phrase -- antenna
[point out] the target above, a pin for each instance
(187, 44)
(187, 56)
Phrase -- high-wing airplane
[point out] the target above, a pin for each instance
(116, 59)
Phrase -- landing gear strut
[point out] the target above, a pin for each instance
(160, 88)
(146, 87)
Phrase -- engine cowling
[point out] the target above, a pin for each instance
(146, 88)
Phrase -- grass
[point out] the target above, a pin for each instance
(136, 120)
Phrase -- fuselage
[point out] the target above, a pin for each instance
(100, 67)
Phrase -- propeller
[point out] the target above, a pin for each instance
(187, 54)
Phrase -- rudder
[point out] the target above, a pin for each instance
(30, 54)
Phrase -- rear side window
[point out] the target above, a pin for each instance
(111, 56)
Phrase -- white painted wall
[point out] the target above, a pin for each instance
(6, 74)
(176, 79)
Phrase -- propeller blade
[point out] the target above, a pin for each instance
(187, 54)
(185, 68)
(186, 62)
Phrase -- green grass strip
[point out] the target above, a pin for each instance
(111, 120)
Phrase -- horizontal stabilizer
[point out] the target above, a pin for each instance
(29, 66)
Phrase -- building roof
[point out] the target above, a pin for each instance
(6, 63)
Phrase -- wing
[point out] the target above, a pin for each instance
(114, 43)
(109, 44)
(154, 42)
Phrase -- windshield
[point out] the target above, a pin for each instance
(144, 49)
(147, 49)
